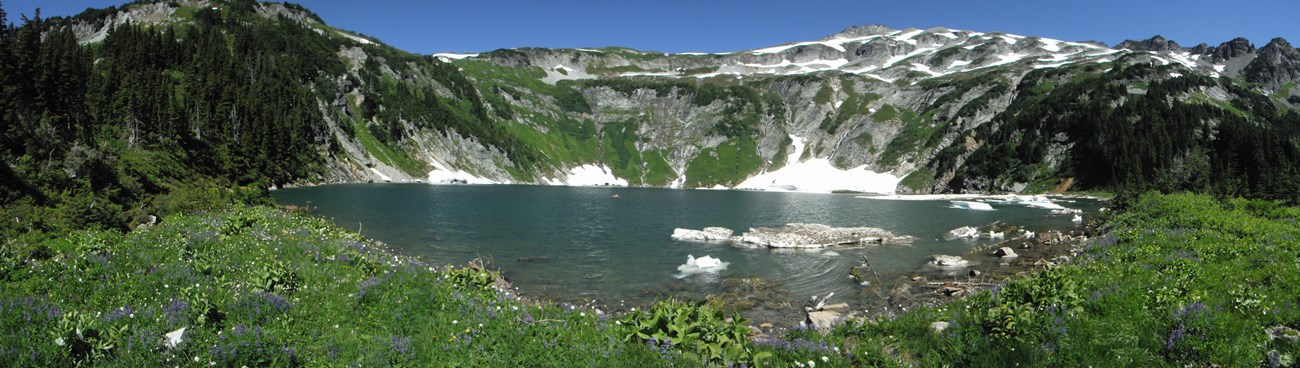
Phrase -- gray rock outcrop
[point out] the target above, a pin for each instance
(1276, 64)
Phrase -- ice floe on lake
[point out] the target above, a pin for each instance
(705, 264)
(969, 205)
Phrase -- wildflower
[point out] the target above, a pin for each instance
(825, 359)
(812, 364)
(454, 321)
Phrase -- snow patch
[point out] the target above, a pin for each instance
(363, 41)
(1050, 44)
(453, 56)
(818, 175)
(441, 174)
(907, 37)
(590, 175)
(385, 178)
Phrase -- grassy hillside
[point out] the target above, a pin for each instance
(1178, 280)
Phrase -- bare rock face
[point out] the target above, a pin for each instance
(1153, 44)
(1232, 49)
(1276, 64)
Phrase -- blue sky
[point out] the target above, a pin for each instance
(728, 25)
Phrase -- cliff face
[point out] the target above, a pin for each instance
(911, 110)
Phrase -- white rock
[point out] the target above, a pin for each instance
(1005, 252)
(174, 338)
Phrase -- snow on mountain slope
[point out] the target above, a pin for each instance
(874, 51)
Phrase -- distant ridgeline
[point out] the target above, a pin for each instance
(161, 106)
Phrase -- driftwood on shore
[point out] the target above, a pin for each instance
(796, 235)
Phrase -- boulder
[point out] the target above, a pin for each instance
(1005, 252)
(824, 320)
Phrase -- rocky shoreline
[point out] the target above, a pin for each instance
(994, 264)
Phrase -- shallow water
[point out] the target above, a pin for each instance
(580, 243)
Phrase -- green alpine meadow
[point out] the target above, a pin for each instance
(142, 144)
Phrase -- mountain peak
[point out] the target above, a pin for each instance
(862, 31)
(1278, 42)
(1156, 43)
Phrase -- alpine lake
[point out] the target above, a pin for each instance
(612, 246)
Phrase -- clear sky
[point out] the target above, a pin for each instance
(429, 26)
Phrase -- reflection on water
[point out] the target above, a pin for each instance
(580, 243)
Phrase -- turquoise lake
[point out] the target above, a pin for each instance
(581, 244)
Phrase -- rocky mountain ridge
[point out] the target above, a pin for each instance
(871, 107)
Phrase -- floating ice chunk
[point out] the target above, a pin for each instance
(705, 264)
(961, 233)
(1077, 219)
(969, 205)
(708, 234)
(1045, 205)
(948, 261)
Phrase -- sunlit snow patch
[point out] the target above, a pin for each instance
(820, 176)
(442, 174)
(705, 264)
(590, 175)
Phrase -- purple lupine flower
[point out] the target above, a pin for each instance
(177, 310)
(119, 313)
(401, 346)
(1176, 335)
(364, 287)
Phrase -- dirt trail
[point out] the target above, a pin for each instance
(1064, 186)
